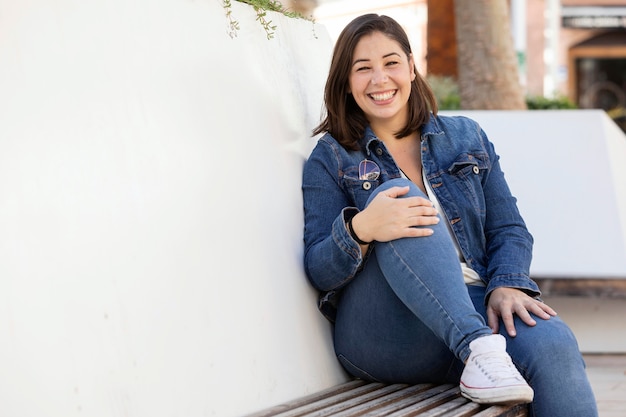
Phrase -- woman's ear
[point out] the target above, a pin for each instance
(412, 67)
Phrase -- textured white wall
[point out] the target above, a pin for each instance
(150, 209)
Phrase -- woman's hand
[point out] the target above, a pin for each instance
(505, 302)
(388, 217)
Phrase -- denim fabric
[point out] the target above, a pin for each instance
(378, 338)
(463, 170)
(422, 275)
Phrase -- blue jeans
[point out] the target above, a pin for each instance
(408, 317)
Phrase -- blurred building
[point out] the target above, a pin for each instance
(411, 14)
(590, 49)
(573, 48)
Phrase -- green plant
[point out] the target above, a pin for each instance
(618, 114)
(261, 7)
(446, 92)
(545, 103)
(233, 25)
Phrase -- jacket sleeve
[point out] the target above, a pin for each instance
(331, 256)
(508, 241)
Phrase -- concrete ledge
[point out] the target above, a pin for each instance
(605, 288)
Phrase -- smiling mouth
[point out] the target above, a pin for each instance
(383, 96)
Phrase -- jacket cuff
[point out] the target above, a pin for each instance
(520, 282)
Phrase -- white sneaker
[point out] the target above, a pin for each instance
(490, 377)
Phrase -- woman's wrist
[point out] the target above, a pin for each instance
(354, 235)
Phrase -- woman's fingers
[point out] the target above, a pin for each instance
(505, 303)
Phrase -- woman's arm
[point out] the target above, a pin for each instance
(510, 290)
(331, 256)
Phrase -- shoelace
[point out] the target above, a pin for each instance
(497, 367)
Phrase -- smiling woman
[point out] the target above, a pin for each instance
(424, 267)
(380, 80)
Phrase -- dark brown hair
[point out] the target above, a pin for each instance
(344, 120)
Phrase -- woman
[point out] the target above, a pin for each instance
(416, 243)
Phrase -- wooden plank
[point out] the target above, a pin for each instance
(331, 407)
(359, 399)
(377, 406)
(428, 404)
(356, 401)
(517, 410)
(408, 401)
(466, 410)
(446, 407)
(318, 396)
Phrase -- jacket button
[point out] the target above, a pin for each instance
(475, 169)
(367, 185)
(379, 151)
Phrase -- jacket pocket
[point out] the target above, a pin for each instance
(469, 164)
(360, 190)
(468, 171)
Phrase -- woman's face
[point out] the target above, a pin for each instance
(380, 79)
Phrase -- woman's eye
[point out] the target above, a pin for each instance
(362, 69)
(392, 63)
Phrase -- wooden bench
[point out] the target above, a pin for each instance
(360, 398)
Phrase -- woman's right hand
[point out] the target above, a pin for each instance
(388, 217)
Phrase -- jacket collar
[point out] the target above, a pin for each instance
(432, 127)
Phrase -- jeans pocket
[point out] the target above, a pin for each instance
(354, 370)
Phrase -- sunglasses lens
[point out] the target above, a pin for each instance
(368, 170)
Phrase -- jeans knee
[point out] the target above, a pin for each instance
(536, 349)
(414, 190)
(559, 338)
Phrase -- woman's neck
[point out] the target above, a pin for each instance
(386, 129)
(406, 152)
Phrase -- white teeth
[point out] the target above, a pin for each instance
(383, 96)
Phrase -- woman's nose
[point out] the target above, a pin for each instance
(378, 77)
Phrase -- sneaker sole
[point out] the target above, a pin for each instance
(510, 395)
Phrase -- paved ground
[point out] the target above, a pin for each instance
(607, 374)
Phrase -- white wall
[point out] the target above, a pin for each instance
(150, 213)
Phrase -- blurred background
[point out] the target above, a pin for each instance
(570, 53)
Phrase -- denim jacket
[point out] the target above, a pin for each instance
(463, 171)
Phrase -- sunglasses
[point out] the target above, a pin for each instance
(368, 170)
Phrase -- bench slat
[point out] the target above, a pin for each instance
(519, 410)
(332, 392)
(375, 406)
(446, 407)
(356, 401)
(408, 401)
(359, 399)
(428, 404)
(466, 410)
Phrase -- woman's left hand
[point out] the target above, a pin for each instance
(505, 302)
